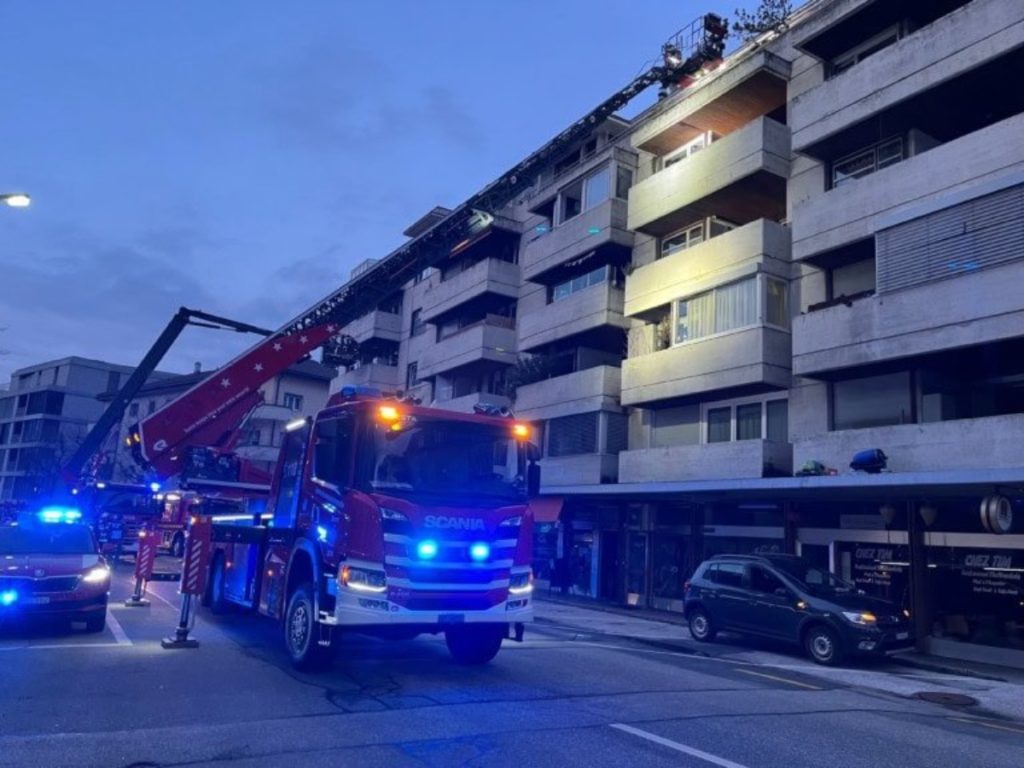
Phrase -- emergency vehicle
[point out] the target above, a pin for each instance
(390, 519)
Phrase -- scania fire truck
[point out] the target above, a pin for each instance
(391, 519)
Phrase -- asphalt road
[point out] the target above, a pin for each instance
(117, 700)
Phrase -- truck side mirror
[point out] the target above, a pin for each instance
(533, 480)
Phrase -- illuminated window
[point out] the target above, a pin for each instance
(721, 309)
(690, 148)
(694, 234)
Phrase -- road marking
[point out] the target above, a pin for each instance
(153, 593)
(117, 630)
(691, 751)
(780, 679)
(986, 724)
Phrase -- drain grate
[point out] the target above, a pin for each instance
(946, 699)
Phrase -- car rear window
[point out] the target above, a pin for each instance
(726, 574)
(56, 539)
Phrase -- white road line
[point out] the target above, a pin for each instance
(781, 679)
(692, 752)
(150, 592)
(117, 631)
(60, 646)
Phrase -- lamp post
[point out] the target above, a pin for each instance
(15, 199)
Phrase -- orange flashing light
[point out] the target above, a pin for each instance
(388, 413)
(521, 431)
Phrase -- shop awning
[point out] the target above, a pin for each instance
(546, 509)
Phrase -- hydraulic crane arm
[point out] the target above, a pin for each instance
(112, 416)
(160, 440)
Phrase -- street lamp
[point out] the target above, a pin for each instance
(16, 199)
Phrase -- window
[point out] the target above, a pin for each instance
(777, 306)
(748, 421)
(571, 202)
(683, 239)
(719, 425)
(852, 279)
(597, 188)
(133, 410)
(618, 432)
(422, 275)
(254, 437)
(872, 401)
(412, 377)
(582, 282)
(113, 381)
(392, 306)
(870, 46)
(777, 421)
(5, 430)
(765, 581)
(726, 574)
(151, 407)
(623, 181)
(722, 309)
(292, 401)
(676, 426)
(866, 161)
(689, 149)
(417, 326)
(572, 435)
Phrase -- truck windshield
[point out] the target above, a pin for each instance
(450, 458)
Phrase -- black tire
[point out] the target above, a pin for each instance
(302, 633)
(216, 598)
(178, 545)
(822, 645)
(96, 622)
(701, 628)
(473, 645)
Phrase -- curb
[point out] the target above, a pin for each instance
(613, 609)
(944, 669)
(677, 646)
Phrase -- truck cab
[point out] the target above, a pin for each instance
(394, 519)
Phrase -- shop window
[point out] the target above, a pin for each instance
(572, 435)
(675, 426)
(872, 401)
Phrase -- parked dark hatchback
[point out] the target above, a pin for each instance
(785, 598)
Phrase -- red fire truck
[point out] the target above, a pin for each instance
(391, 519)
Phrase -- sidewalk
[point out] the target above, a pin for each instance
(999, 690)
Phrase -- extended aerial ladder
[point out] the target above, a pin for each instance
(161, 440)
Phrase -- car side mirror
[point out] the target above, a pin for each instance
(533, 480)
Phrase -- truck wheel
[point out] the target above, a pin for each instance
(474, 645)
(178, 545)
(302, 633)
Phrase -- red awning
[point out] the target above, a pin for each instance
(546, 509)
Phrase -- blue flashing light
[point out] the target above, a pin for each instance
(479, 551)
(154, 487)
(8, 597)
(321, 533)
(427, 549)
(60, 515)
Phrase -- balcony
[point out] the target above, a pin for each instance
(987, 443)
(585, 469)
(940, 177)
(713, 262)
(493, 339)
(949, 46)
(593, 307)
(893, 326)
(728, 98)
(601, 226)
(580, 392)
(740, 177)
(375, 325)
(373, 375)
(486, 276)
(757, 357)
(707, 461)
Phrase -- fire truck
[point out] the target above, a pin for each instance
(390, 519)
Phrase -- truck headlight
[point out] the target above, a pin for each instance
(392, 514)
(363, 579)
(511, 522)
(521, 583)
(861, 619)
(97, 575)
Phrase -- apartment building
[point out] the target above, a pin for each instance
(811, 250)
(45, 412)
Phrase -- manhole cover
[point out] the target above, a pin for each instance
(946, 699)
